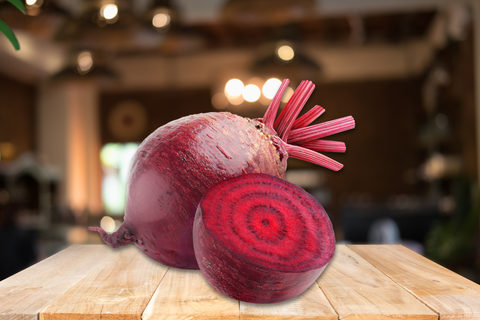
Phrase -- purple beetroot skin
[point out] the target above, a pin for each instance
(171, 171)
(177, 163)
(261, 239)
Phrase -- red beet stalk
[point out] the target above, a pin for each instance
(308, 117)
(300, 140)
(261, 239)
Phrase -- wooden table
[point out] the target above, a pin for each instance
(362, 281)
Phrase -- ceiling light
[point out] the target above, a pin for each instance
(270, 87)
(32, 7)
(161, 20)
(272, 61)
(33, 3)
(109, 11)
(234, 87)
(84, 62)
(251, 93)
(285, 53)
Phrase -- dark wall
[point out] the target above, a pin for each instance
(17, 111)
(160, 106)
(382, 148)
(457, 101)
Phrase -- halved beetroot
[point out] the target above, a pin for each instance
(261, 239)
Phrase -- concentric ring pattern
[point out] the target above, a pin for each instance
(270, 222)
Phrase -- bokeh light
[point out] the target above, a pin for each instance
(441, 121)
(238, 100)
(161, 20)
(110, 154)
(84, 62)
(219, 101)
(285, 53)
(109, 11)
(77, 235)
(108, 224)
(270, 87)
(234, 87)
(251, 93)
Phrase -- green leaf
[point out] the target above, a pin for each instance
(18, 4)
(9, 34)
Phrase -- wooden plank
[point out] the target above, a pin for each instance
(120, 288)
(25, 294)
(449, 294)
(185, 294)
(358, 290)
(312, 304)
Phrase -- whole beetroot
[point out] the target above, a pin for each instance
(178, 162)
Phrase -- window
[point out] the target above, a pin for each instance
(116, 158)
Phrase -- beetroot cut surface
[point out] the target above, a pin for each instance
(261, 239)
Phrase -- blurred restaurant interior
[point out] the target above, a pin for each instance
(93, 78)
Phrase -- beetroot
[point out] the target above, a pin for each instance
(261, 239)
(178, 162)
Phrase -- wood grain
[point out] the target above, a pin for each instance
(185, 294)
(358, 290)
(25, 294)
(449, 294)
(97, 282)
(312, 304)
(120, 288)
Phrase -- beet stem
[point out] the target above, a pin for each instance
(295, 111)
(289, 103)
(292, 109)
(308, 117)
(325, 145)
(300, 140)
(302, 135)
(305, 154)
(272, 109)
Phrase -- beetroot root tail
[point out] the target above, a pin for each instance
(118, 239)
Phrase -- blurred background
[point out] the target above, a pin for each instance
(94, 77)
